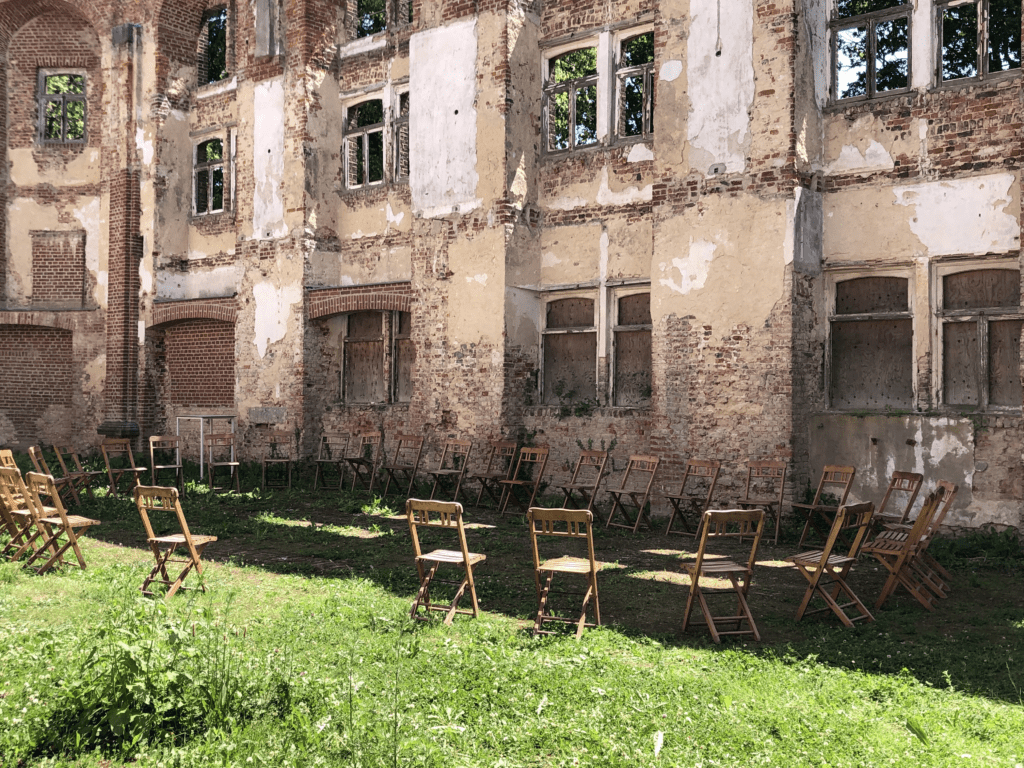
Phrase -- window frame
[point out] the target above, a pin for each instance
(43, 99)
(833, 278)
(393, 18)
(227, 162)
(982, 17)
(363, 133)
(983, 316)
(572, 86)
(202, 78)
(390, 335)
(615, 295)
(398, 120)
(620, 73)
(557, 295)
(872, 19)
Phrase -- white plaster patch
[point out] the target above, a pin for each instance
(142, 332)
(144, 145)
(962, 215)
(639, 153)
(392, 217)
(273, 307)
(567, 203)
(347, 280)
(629, 195)
(482, 279)
(720, 87)
(88, 216)
(268, 160)
(203, 284)
(693, 269)
(874, 158)
(442, 119)
(670, 70)
(145, 278)
(359, 234)
(549, 259)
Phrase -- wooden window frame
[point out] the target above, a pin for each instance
(227, 162)
(981, 54)
(593, 295)
(615, 296)
(646, 71)
(983, 316)
(389, 338)
(871, 20)
(571, 87)
(394, 19)
(362, 135)
(43, 99)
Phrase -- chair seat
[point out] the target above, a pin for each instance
(716, 568)
(177, 538)
(276, 461)
(758, 502)
(73, 520)
(451, 556)
(167, 466)
(223, 463)
(444, 472)
(567, 564)
(813, 557)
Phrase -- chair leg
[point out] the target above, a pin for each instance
(542, 602)
(423, 596)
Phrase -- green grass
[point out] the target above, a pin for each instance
(301, 653)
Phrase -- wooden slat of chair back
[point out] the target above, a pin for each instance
(7, 459)
(35, 453)
(220, 441)
(565, 523)
(333, 447)
(165, 453)
(12, 497)
(456, 454)
(502, 452)
(277, 445)
(63, 484)
(908, 483)
(839, 476)
(434, 514)
(852, 517)
(947, 493)
(763, 477)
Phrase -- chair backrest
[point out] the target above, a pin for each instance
(947, 493)
(13, 496)
(852, 518)
(835, 478)
(701, 475)
(152, 499)
(7, 459)
(435, 514)
(502, 458)
(408, 449)
(639, 475)
(455, 455)
(732, 524)
(766, 477)
(561, 523)
(908, 483)
(163, 447)
(368, 446)
(38, 460)
(589, 463)
(39, 487)
(277, 444)
(531, 459)
(68, 459)
(115, 448)
(219, 445)
(333, 446)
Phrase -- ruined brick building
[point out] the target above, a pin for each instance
(713, 228)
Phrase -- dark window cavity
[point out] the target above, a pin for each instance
(870, 48)
(570, 94)
(981, 324)
(570, 352)
(364, 144)
(872, 345)
(61, 108)
(636, 86)
(213, 47)
(378, 357)
(402, 138)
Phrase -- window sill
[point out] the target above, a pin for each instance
(363, 45)
(199, 219)
(339, 405)
(209, 90)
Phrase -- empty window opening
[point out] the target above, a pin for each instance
(872, 344)
(213, 47)
(981, 324)
(971, 47)
(371, 17)
(402, 138)
(61, 107)
(209, 177)
(636, 86)
(871, 47)
(571, 99)
(364, 142)
(570, 351)
(632, 353)
(378, 357)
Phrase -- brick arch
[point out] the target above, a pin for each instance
(178, 24)
(338, 301)
(172, 313)
(14, 14)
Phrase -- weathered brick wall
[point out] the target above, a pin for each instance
(35, 376)
(201, 363)
(59, 277)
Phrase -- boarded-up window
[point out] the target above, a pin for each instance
(570, 351)
(872, 345)
(632, 354)
(378, 357)
(981, 338)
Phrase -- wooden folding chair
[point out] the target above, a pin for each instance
(220, 452)
(277, 454)
(567, 524)
(364, 461)
(165, 455)
(585, 481)
(331, 455)
(833, 479)
(766, 488)
(725, 523)
(826, 572)
(154, 500)
(702, 477)
(71, 467)
(120, 461)
(633, 496)
(403, 467)
(18, 514)
(907, 484)
(61, 525)
(7, 458)
(526, 477)
(451, 469)
(897, 552)
(441, 515)
(66, 488)
(500, 465)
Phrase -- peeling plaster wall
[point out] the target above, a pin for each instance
(268, 159)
